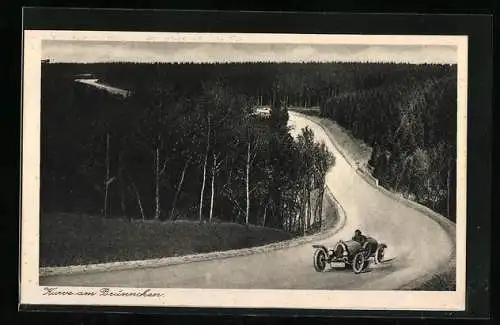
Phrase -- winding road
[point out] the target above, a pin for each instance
(417, 246)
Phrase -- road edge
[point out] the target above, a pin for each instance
(447, 225)
(170, 261)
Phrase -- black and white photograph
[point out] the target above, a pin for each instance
(244, 170)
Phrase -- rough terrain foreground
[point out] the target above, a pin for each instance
(417, 246)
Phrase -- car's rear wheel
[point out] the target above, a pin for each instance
(358, 262)
(319, 260)
(379, 254)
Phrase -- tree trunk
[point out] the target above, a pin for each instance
(403, 170)
(248, 184)
(122, 184)
(157, 184)
(297, 219)
(309, 208)
(448, 193)
(320, 212)
(177, 192)
(304, 211)
(212, 194)
(204, 173)
(122, 200)
(264, 216)
(316, 206)
(106, 180)
(139, 201)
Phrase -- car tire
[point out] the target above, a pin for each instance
(319, 260)
(358, 262)
(379, 254)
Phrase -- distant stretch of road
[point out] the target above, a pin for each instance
(417, 245)
(97, 84)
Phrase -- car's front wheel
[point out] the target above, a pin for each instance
(358, 262)
(319, 260)
(379, 254)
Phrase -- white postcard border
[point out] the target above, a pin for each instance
(32, 293)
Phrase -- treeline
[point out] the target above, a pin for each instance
(106, 154)
(169, 152)
(303, 85)
(411, 126)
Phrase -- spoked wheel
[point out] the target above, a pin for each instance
(379, 254)
(319, 260)
(358, 262)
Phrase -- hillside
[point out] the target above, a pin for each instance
(405, 112)
(69, 239)
(411, 128)
(77, 239)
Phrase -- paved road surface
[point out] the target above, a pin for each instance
(416, 243)
(97, 84)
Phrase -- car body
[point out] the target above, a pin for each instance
(352, 253)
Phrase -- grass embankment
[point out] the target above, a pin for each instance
(73, 239)
(445, 281)
(69, 239)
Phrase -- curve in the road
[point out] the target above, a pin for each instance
(418, 246)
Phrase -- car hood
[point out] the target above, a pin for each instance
(352, 244)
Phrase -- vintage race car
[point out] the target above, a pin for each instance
(352, 253)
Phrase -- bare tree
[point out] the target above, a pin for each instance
(137, 194)
(215, 167)
(139, 201)
(108, 179)
(160, 166)
(205, 162)
(252, 151)
(322, 162)
(229, 193)
(247, 212)
(178, 190)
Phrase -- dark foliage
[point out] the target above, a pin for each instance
(185, 144)
(410, 122)
(188, 131)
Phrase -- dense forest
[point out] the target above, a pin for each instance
(168, 153)
(410, 125)
(186, 143)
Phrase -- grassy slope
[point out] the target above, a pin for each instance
(445, 281)
(72, 239)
